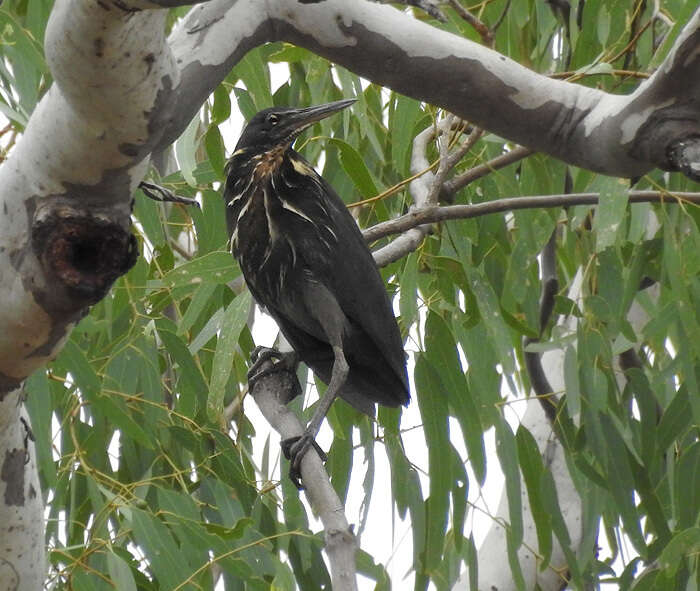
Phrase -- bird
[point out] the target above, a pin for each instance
(306, 263)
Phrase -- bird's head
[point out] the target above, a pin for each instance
(276, 128)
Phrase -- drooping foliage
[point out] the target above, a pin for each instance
(154, 476)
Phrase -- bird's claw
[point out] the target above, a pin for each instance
(294, 449)
(286, 362)
(259, 356)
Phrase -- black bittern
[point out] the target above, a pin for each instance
(305, 261)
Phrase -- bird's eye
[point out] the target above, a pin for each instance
(272, 119)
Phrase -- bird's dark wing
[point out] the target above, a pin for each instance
(350, 273)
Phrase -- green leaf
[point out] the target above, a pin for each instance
(185, 148)
(472, 564)
(254, 73)
(507, 452)
(291, 53)
(232, 324)
(404, 119)
(245, 103)
(208, 332)
(210, 223)
(202, 298)
(675, 419)
(621, 484)
(190, 380)
(521, 14)
(38, 403)
(86, 581)
(13, 114)
(216, 267)
(573, 391)
(441, 352)
(687, 485)
(369, 568)
(164, 556)
(612, 206)
(684, 544)
(147, 211)
(493, 319)
(355, 167)
(603, 24)
(408, 294)
(531, 467)
(341, 418)
(216, 152)
(515, 569)
(120, 573)
(432, 401)
(221, 109)
(550, 500)
(83, 373)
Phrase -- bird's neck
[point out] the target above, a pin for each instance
(260, 167)
(268, 163)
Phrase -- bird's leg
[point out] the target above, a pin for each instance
(286, 361)
(323, 306)
(294, 448)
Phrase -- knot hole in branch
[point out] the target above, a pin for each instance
(86, 254)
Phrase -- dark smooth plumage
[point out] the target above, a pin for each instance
(305, 261)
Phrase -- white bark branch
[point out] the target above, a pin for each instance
(23, 551)
(425, 190)
(270, 393)
(66, 187)
(65, 230)
(586, 127)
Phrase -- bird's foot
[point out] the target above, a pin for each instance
(294, 450)
(286, 362)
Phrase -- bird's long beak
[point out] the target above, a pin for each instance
(297, 121)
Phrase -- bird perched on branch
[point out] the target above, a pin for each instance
(305, 261)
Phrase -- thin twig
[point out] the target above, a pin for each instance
(395, 188)
(459, 182)
(573, 76)
(434, 213)
(501, 17)
(158, 193)
(482, 29)
(631, 43)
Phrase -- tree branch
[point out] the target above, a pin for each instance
(460, 181)
(426, 188)
(432, 214)
(67, 185)
(617, 135)
(23, 552)
(271, 393)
